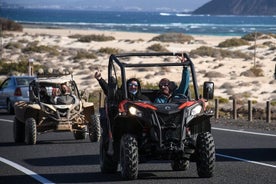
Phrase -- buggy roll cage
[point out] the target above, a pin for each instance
(115, 58)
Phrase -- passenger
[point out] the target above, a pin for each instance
(44, 97)
(133, 88)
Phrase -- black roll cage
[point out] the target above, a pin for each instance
(115, 58)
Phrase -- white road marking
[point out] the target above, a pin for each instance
(244, 132)
(245, 160)
(7, 120)
(26, 171)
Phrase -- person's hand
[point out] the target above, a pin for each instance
(182, 58)
(98, 75)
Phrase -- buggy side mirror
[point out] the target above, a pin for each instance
(208, 90)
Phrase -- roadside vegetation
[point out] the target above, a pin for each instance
(10, 25)
(173, 37)
(93, 37)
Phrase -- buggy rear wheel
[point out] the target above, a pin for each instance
(80, 133)
(129, 157)
(180, 165)
(205, 155)
(94, 129)
(30, 131)
(18, 131)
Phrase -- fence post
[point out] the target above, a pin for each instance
(268, 112)
(216, 108)
(250, 110)
(234, 109)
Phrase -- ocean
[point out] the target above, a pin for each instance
(149, 22)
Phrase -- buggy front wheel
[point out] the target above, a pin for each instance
(205, 150)
(94, 129)
(129, 157)
(30, 131)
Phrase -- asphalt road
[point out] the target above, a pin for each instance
(58, 158)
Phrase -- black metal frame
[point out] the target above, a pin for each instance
(115, 59)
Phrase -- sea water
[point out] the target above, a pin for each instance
(150, 22)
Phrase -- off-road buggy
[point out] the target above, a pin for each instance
(139, 131)
(48, 111)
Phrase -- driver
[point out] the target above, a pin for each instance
(65, 96)
(168, 89)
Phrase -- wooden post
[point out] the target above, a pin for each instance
(216, 108)
(30, 67)
(234, 109)
(249, 110)
(268, 112)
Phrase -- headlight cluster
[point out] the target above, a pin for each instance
(77, 107)
(135, 112)
(196, 110)
(49, 110)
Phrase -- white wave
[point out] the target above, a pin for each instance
(165, 14)
(183, 15)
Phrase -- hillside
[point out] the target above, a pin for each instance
(238, 7)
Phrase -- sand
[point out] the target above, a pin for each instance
(230, 83)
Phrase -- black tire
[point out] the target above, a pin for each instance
(30, 131)
(80, 134)
(94, 129)
(180, 165)
(18, 131)
(108, 163)
(129, 157)
(206, 155)
(10, 108)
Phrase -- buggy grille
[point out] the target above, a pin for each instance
(170, 126)
(167, 120)
(63, 112)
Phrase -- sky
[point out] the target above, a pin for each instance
(140, 5)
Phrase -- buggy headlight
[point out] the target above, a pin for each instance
(196, 110)
(49, 110)
(134, 111)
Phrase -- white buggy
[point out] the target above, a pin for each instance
(50, 110)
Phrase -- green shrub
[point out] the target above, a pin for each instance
(12, 45)
(157, 48)
(257, 71)
(34, 47)
(20, 67)
(173, 37)
(252, 36)
(213, 52)
(273, 103)
(109, 50)
(233, 42)
(10, 25)
(223, 100)
(85, 55)
(96, 38)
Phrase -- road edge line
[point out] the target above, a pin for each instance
(26, 171)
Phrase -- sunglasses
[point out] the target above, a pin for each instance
(164, 84)
(131, 84)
